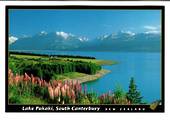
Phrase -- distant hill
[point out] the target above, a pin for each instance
(127, 42)
(121, 41)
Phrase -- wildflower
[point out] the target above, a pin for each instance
(77, 87)
(54, 83)
(85, 89)
(32, 79)
(56, 91)
(10, 74)
(129, 102)
(72, 94)
(51, 92)
(45, 84)
(74, 83)
(59, 83)
(26, 77)
(65, 85)
(16, 79)
(36, 80)
(63, 91)
(39, 82)
(68, 93)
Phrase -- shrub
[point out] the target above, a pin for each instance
(120, 96)
(85, 101)
(93, 98)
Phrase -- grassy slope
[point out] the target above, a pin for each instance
(87, 77)
(32, 101)
(70, 75)
(27, 56)
(100, 62)
(25, 99)
(73, 75)
(81, 77)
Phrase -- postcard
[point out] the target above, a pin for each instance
(84, 58)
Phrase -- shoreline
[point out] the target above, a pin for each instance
(89, 78)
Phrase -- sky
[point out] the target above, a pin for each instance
(88, 23)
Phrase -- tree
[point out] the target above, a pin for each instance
(133, 94)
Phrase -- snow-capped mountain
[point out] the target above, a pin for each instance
(49, 41)
(120, 41)
(127, 41)
(12, 39)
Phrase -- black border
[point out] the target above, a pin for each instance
(103, 108)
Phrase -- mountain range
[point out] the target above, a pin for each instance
(120, 41)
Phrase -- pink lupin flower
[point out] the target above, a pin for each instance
(66, 86)
(85, 88)
(54, 83)
(51, 92)
(63, 91)
(32, 79)
(129, 102)
(70, 83)
(56, 91)
(39, 81)
(59, 83)
(43, 83)
(26, 77)
(74, 83)
(36, 80)
(10, 74)
(72, 94)
(80, 88)
(16, 79)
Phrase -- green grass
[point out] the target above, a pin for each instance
(99, 62)
(14, 97)
(81, 77)
(32, 100)
(27, 56)
(61, 59)
(73, 75)
(65, 76)
(33, 58)
(70, 75)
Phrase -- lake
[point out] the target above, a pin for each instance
(143, 66)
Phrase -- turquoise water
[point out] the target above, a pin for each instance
(144, 67)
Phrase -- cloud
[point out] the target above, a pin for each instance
(12, 39)
(63, 34)
(152, 29)
(25, 36)
(43, 33)
(129, 32)
(83, 39)
(153, 32)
